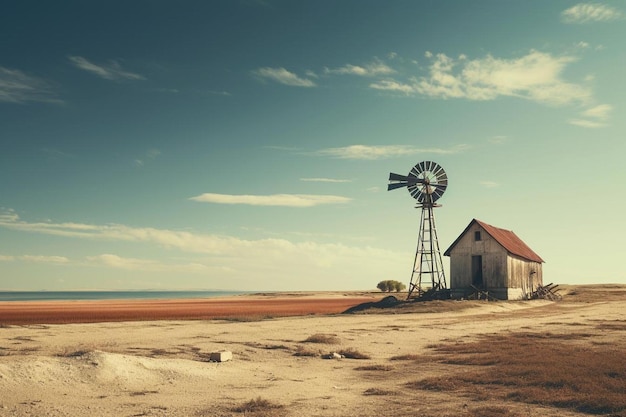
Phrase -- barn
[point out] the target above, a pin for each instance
(493, 260)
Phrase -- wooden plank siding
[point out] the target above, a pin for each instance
(524, 274)
(504, 275)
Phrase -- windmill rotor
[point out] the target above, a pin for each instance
(426, 182)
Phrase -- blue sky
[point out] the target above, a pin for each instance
(246, 145)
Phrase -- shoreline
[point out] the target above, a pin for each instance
(242, 307)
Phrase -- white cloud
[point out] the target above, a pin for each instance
(311, 74)
(498, 140)
(285, 200)
(333, 180)
(36, 258)
(594, 117)
(18, 87)
(219, 93)
(600, 112)
(282, 76)
(276, 260)
(8, 215)
(395, 86)
(110, 71)
(535, 76)
(586, 123)
(372, 69)
(45, 259)
(135, 264)
(368, 152)
(489, 184)
(590, 12)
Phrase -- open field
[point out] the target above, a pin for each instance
(440, 358)
(247, 307)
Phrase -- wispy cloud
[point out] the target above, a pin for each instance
(55, 154)
(219, 93)
(36, 258)
(285, 200)
(110, 71)
(333, 180)
(590, 12)
(224, 253)
(282, 76)
(147, 156)
(594, 117)
(19, 87)
(136, 264)
(371, 69)
(368, 152)
(536, 76)
(498, 140)
(489, 184)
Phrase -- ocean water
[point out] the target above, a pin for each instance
(110, 295)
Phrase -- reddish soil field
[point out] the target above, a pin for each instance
(59, 312)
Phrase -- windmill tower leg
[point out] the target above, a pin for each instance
(428, 265)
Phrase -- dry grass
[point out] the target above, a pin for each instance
(411, 357)
(303, 351)
(493, 411)
(379, 391)
(260, 407)
(73, 353)
(351, 353)
(384, 368)
(329, 339)
(551, 370)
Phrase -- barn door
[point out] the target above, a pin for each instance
(477, 271)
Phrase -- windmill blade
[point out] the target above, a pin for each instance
(397, 177)
(414, 180)
(416, 194)
(396, 185)
(438, 191)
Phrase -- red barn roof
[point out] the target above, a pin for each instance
(506, 238)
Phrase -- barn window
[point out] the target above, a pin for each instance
(477, 235)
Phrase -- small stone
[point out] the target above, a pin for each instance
(221, 356)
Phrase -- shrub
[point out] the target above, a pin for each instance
(391, 285)
(329, 339)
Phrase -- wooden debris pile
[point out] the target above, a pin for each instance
(480, 294)
(547, 292)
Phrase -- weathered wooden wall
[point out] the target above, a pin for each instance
(501, 271)
(524, 274)
(494, 260)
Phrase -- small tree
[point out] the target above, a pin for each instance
(383, 286)
(398, 286)
(391, 285)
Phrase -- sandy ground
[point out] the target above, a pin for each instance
(160, 368)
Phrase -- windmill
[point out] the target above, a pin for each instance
(426, 182)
